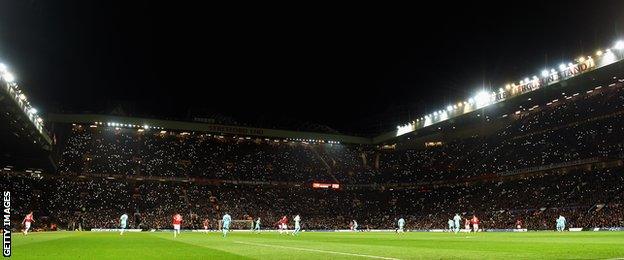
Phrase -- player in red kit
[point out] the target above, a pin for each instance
(475, 223)
(282, 225)
(27, 222)
(467, 225)
(177, 221)
(206, 225)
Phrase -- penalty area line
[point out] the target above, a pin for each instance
(316, 250)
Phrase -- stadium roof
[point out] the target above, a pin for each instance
(24, 141)
(577, 77)
(167, 125)
(484, 98)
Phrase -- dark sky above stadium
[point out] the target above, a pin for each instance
(356, 68)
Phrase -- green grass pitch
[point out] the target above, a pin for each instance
(310, 245)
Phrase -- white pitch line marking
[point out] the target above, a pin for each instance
(316, 250)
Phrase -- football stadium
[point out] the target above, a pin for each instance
(529, 167)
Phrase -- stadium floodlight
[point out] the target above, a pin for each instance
(545, 73)
(22, 97)
(526, 80)
(553, 71)
(8, 77)
(562, 67)
(32, 110)
(581, 59)
(471, 100)
(3, 68)
(609, 57)
(145, 126)
(39, 120)
(449, 108)
(619, 45)
(570, 64)
(501, 90)
(482, 98)
(599, 53)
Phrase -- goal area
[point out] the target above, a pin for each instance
(238, 224)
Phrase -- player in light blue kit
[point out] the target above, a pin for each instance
(456, 221)
(123, 222)
(226, 224)
(561, 221)
(297, 225)
(451, 226)
(257, 226)
(401, 224)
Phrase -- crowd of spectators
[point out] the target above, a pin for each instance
(587, 198)
(584, 126)
(131, 152)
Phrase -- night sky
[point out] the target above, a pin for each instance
(358, 69)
